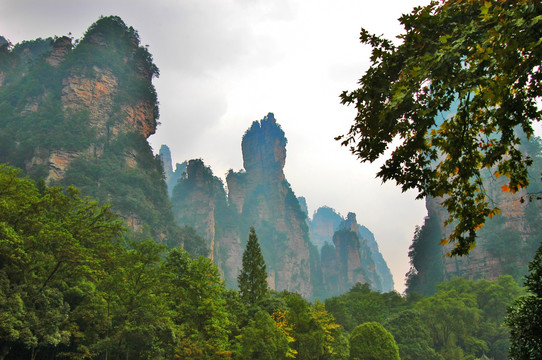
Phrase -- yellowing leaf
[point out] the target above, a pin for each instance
(494, 212)
(444, 38)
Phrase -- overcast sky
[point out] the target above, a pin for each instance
(226, 63)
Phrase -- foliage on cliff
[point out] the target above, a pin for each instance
(79, 114)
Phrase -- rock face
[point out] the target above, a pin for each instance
(350, 258)
(504, 245)
(199, 200)
(61, 48)
(325, 222)
(81, 115)
(382, 269)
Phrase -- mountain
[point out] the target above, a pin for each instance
(260, 196)
(348, 248)
(504, 246)
(257, 196)
(80, 114)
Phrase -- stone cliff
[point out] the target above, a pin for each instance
(323, 225)
(79, 114)
(199, 200)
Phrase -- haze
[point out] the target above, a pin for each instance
(226, 63)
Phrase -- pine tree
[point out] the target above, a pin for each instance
(253, 277)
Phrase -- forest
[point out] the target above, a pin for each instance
(75, 285)
(101, 270)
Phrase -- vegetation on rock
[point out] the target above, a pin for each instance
(79, 114)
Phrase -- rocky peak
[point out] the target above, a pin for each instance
(172, 176)
(350, 223)
(61, 48)
(109, 31)
(165, 156)
(198, 173)
(198, 200)
(110, 76)
(264, 149)
(341, 263)
(325, 222)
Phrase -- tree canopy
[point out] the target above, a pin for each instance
(371, 341)
(454, 97)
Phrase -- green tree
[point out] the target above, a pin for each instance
(371, 341)
(411, 335)
(456, 93)
(253, 277)
(525, 316)
(197, 298)
(453, 320)
(261, 339)
(139, 324)
(54, 246)
(361, 304)
(492, 299)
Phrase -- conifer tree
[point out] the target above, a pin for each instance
(253, 277)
